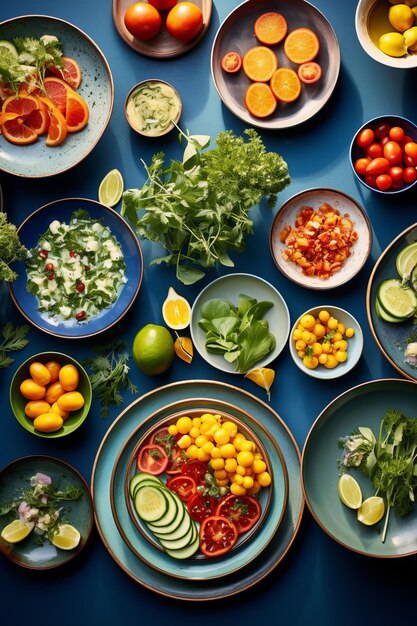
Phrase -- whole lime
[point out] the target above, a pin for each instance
(153, 349)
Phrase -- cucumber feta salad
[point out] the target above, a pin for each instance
(77, 269)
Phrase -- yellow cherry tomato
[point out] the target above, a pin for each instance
(230, 428)
(245, 458)
(36, 407)
(256, 487)
(228, 451)
(341, 356)
(322, 358)
(247, 482)
(172, 429)
(31, 390)
(53, 392)
(319, 330)
(324, 316)
(331, 361)
(194, 432)
(184, 424)
(71, 401)
(55, 409)
(39, 373)
(259, 466)
(307, 321)
(310, 361)
(69, 377)
(217, 464)
(48, 422)
(184, 442)
(202, 455)
(264, 479)
(221, 436)
(309, 338)
(230, 465)
(332, 323)
(53, 367)
(220, 474)
(317, 348)
(237, 490)
(300, 344)
(192, 451)
(349, 332)
(297, 334)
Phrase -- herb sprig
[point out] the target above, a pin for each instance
(11, 249)
(14, 338)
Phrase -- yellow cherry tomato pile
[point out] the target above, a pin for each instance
(321, 340)
(52, 394)
(234, 459)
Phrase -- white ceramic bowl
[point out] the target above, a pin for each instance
(362, 17)
(354, 349)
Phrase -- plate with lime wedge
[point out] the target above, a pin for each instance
(391, 302)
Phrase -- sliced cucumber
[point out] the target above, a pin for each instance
(171, 511)
(396, 299)
(151, 503)
(406, 259)
(181, 542)
(164, 531)
(178, 533)
(137, 479)
(187, 551)
(383, 315)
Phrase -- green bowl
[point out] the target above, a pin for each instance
(18, 402)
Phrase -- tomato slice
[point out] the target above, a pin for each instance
(243, 511)
(231, 62)
(200, 506)
(152, 459)
(309, 72)
(196, 469)
(183, 486)
(218, 535)
(176, 460)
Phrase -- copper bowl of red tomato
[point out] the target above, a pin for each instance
(383, 154)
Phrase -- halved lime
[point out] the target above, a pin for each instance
(396, 299)
(406, 259)
(383, 315)
(9, 47)
(17, 530)
(349, 491)
(111, 188)
(67, 537)
(371, 511)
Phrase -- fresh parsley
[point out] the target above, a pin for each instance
(11, 249)
(197, 208)
(14, 339)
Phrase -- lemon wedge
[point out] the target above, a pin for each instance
(66, 538)
(17, 530)
(262, 376)
(176, 311)
(371, 511)
(349, 491)
(111, 188)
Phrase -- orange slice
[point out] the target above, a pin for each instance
(259, 64)
(271, 28)
(6, 117)
(71, 72)
(15, 130)
(285, 84)
(183, 347)
(23, 105)
(77, 112)
(56, 90)
(38, 120)
(301, 45)
(259, 100)
(57, 130)
(262, 376)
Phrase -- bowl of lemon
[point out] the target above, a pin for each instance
(387, 31)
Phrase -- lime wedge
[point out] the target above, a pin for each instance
(396, 299)
(67, 537)
(406, 259)
(17, 530)
(349, 491)
(371, 511)
(111, 188)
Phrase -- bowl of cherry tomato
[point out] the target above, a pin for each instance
(383, 154)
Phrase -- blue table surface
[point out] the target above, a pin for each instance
(318, 581)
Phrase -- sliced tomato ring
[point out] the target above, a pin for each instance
(200, 506)
(243, 511)
(196, 469)
(183, 486)
(176, 460)
(231, 62)
(309, 72)
(218, 535)
(152, 459)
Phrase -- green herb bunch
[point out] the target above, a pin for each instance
(14, 338)
(11, 249)
(197, 208)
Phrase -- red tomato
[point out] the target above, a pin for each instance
(183, 486)
(184, 21)
(309, 72)
(231, 62)
(162, 5)
(406, 139)
(200, 506)
(142, 20)
(152, 459)
(393, 152)
(243, 511)
(384, 140)
(365, 137)
(218, 535)
(408, 160)
(383, 182)
(397, 184)
(409, 174)
(374, 150)
(370, 180)
(196, 469)
(410, 148)
(396, 133)
(361, 164)
(378, 166)
(382, 130)
(396, 172)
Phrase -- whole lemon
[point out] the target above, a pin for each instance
(392, 44)
(410, 38)
(401, 17)
(153, 349)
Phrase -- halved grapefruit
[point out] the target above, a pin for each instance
(71, 72)
(77, 113)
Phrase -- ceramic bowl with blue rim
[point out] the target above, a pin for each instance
(37, 160)
(28, 303)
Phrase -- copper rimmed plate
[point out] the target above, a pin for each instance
(237, 34)
(273, 500)
(163, 45)
(106, 457)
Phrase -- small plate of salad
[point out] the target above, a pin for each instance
(83, 269)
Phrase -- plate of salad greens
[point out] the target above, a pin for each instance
(31, 46)
(46, 512)
(365, 438)
(83, 269)
(239, 321)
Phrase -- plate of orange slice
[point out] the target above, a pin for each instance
(286, 62)
(49, 124)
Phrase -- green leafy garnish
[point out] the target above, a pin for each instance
(197, 208)
(11, 248)
(14, 339)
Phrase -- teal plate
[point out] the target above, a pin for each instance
(79, 513)
(391, 338)
(37, 160)
(364, 405)
(106, 457)
(273, 501)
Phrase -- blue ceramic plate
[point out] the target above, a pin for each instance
(30, 231)
(37, 160)
(79, 513)
(221, 395)
(273, 500)
(391, 338)
(364, 405)
(229, 288)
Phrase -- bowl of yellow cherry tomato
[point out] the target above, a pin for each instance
(50, 394)
(326, 342)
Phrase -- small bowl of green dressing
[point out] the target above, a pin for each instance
(153, 107)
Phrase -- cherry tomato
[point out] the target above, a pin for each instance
(393, 152)
(409, 174)
(382, 130)
(410, 149)
(370, 180)
(396, 133)
(218, 535)
(183, 486)
(309, 72)
(377, 166)
(374, 150)
(184, 21)
(383, 182)
(406, 139)
(397, 184)
(384, 141)
(361, 164)
(142, 20)
(396, 172)
(408, 160)
(196, 469)
(365, 137)
(162, 5)
(243, 511)
(200, 506)
(231, 62)
(152, 459)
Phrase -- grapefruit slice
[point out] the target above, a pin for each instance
(77, 112)
(56, 90)
(57, 130)
(15, 130)
(38, 121)
(71, 72)
(22, 105)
